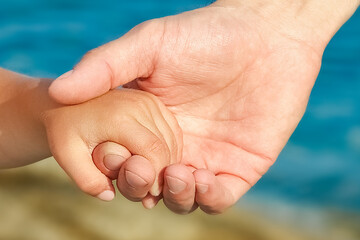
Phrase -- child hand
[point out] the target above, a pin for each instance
(133, 173)
(135, 122)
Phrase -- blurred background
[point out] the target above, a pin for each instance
(312, 191)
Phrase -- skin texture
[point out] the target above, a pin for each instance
(133, 124)
(136, 120)
(236, 75)
(22, 99)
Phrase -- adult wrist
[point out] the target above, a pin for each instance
(312, 21)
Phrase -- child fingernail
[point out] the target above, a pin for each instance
(175, 185)
(65, 75)
(113, 162)
(135, 180)
(149, 203)
(106, 195)
(202, 188)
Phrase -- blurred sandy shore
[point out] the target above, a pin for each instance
(39, 202)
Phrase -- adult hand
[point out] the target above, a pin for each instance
(237, 75)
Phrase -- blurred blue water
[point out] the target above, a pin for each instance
(321, 164)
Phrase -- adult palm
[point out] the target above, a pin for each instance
(237, 84)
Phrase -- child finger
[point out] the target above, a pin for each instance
(136, 177)
(74, 157)
(215, 194)
(179, 189)
(141, 141)
(150, 201)
(108, 158)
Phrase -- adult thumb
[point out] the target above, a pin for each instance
(111, 65)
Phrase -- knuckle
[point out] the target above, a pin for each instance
(140, 101)
(89, 54)
(147, 27)
(158, 147)
(146, 99)
(120, 120)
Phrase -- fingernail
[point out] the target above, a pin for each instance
(155, 190)
(106, 195)
(149, 204)
(202, 188)
(113, 162)
(65, 75)
(175, 185)
(134, 180)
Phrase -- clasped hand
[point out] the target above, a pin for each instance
(235, 83)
